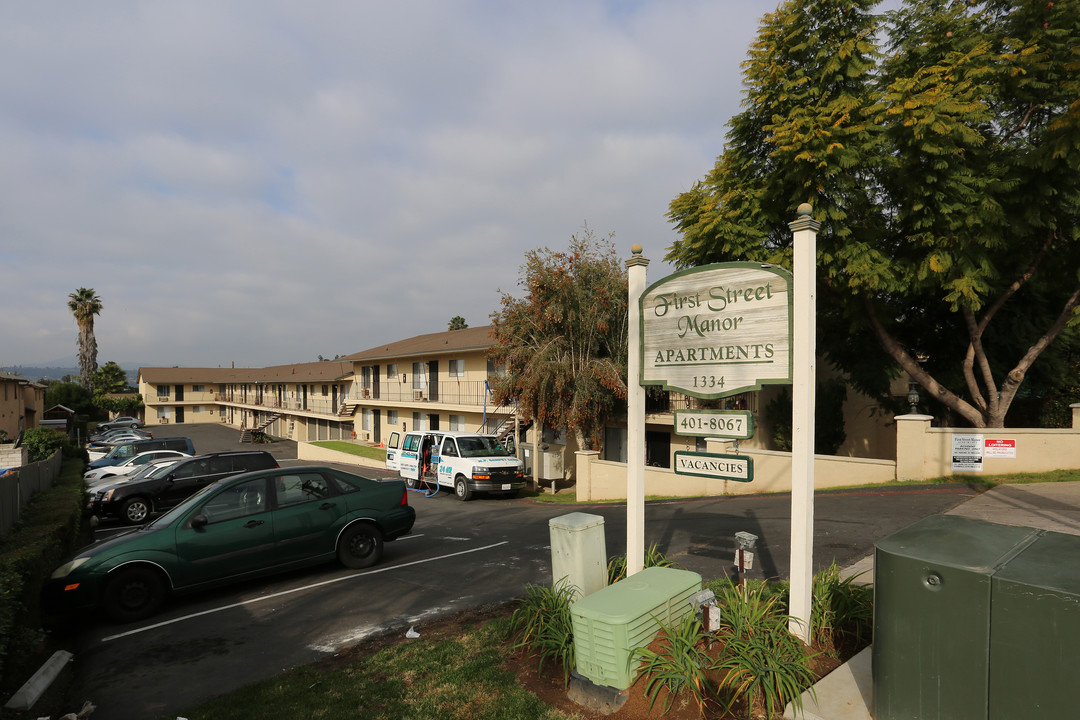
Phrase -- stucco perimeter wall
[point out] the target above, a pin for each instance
(605, 480)
(927, 452)
(314, 454)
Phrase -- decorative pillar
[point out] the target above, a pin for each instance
(635, 418)
(804, 357)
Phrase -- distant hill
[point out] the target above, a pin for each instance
(35, 373)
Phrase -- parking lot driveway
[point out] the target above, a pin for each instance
(213, 438)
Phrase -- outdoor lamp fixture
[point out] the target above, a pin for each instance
(913, 397)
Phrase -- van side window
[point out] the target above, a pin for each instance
(412, 442)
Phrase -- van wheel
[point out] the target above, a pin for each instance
(135, 510)
(461, 489)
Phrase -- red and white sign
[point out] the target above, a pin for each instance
(999, 448)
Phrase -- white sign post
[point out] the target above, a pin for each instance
(635, 416)
(804, 231)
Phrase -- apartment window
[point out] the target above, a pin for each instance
(325, 390)
(392, 418)
(615, 444)
(457, 368)
(391, 371)
(198, 388)
(418, 421)
(496, 370)
(457, 422)
(419, 379)
(365, 377)
(366, 419)
(199, 409)
(164, 390)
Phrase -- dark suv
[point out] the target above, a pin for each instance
(134, 501)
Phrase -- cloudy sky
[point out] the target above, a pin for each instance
(261, 182)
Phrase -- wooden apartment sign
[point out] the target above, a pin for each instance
(717, 330)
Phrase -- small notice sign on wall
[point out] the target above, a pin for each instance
(999, 448)
(967, 453)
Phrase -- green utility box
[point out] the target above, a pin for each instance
(611, 623)
(1035, 632)
(974, 619)
(578, 552)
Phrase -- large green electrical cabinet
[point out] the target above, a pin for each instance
(610, 623)
(974, 619)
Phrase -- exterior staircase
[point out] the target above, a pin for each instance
(347, 409)
(247, 434)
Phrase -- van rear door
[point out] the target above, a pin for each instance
(393, 448)
(409, 457)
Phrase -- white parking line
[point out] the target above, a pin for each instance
(299, 589)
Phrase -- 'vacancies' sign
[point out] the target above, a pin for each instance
(717, 330)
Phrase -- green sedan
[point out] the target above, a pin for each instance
(244, 526)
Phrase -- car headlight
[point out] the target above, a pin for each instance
(66, 569)
(107, 495)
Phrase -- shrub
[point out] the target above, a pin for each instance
(542, 625)
(682, 665)
(41, 442)
(841, 611)
(616, 569)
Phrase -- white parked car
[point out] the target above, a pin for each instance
(143, 472)
(133, 464)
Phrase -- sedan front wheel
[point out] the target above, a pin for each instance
(134, 594)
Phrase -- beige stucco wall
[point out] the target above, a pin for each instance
(604, 480)
(926, 452)
(923, 452)
(314, 454)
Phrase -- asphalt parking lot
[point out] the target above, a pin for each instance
(460, 555)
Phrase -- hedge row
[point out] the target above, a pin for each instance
(50, 528)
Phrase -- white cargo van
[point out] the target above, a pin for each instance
(465, 461)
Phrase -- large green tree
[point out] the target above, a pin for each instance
(110, 378)
(84, 305)
(564, 343)
(939, 145)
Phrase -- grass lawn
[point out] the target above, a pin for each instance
(449, 673)
(367, 451)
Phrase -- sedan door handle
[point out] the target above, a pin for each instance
(253, 523)
(327, 506)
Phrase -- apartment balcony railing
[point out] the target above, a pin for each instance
(469, 393)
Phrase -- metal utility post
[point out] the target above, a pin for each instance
(804, 230)
(635, 415)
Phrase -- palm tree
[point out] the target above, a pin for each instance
(84, 305)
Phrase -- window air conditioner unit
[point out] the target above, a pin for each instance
(366, 392)
(365, 435)
(417, 394)
(163, 398)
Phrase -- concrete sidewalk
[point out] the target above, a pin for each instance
(845, 693)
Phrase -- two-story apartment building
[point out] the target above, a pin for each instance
(434, 381)
(22, 403)
(437, 381)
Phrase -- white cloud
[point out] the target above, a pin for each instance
(264, 182)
